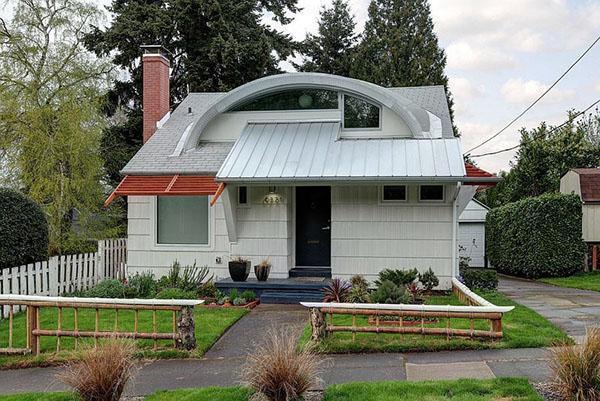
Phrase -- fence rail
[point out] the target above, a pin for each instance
(66, 273)
(182, 328)
(477, 309)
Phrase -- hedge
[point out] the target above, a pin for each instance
(23, 230)
(536, 237)
(480, 279)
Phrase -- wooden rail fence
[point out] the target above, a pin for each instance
(66, 273)
(181, 333)
(477, 309)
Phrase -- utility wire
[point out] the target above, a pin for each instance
(549, 132)
(539, 98)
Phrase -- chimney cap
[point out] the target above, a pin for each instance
(155, 49)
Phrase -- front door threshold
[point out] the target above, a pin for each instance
(310, 271)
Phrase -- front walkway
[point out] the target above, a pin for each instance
(221, 365)
(570, 309)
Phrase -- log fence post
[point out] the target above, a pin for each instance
(318, 324)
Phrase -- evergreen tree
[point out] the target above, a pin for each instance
(330, 51)
(400, 48)
(216, 45)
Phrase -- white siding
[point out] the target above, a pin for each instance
(591, 223)
(474, 212)
(368, 236)
(471, 239)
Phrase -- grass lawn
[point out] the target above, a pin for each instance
(522, 326)
(507, 389)
(583, 281)
(459, 390)
(211, 323)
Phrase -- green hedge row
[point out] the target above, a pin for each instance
(23, 230)
(536, 237)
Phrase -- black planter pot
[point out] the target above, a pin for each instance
(262, 273)
(239, 271)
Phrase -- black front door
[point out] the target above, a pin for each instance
(313, 226)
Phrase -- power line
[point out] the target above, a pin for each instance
(539, 98)
(549, 132)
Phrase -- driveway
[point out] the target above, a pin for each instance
(570, 309)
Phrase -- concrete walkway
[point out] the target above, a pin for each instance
(221, 365)
(570, 309)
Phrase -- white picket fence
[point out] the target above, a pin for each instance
(67, 273)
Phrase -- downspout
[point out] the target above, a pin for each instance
(455, 231)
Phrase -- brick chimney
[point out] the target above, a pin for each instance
(155, 87)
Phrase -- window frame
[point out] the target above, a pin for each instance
(384, 201)
(433, 200)
(289, 110)
(243, 205)
(159, 246)
(342, 107)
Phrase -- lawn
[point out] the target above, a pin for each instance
(522, 327)
(583, 281)
(458, 390)
(211, 323)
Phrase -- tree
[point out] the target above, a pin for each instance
(330, 51)
(50, 120)
(215, 46)
(545, 155)
(400, 48)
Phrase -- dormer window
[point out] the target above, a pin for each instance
(293, 99)
(359, 113)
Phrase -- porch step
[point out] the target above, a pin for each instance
(311, 272)
(290, 297)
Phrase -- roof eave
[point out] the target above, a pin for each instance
(354, 180)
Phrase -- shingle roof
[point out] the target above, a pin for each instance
(156, 156)
(311, 150)
(589, 182)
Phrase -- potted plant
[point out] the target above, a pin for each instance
(239, 268)
(262, 270)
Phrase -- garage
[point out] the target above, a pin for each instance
(471, 233)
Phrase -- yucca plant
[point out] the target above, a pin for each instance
(577, 369)
(337, 291)
(278, 370)
(102, 372)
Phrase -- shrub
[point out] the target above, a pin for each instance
(399, 277)
(109, 288)
(239, 301)
(188, 278)
(249, 295)
(233, 294)
(278, 370)
(577, 369)
(23, 230)
(102, 372)
(536, 237)
(175, 293)
(359, 281)
(429, 280)
(337, 291)
(484, 279)
(142, 285)
(389, 293)
(208, 289)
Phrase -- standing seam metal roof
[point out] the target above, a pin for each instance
(312, 150)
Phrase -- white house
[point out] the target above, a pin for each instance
(310, 170)
(471, 232)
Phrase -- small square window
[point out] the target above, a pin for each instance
(431, 193)
(242, 195)
(394, 193)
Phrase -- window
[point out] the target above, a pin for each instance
(359, 113)
(242, 196)
(394, 193)
(431, 193)
(295, 99)
(182, 220)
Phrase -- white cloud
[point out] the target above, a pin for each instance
(462, 55)
(598, 86)
(464, 90)
(520, 91)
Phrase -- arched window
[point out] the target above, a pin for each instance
(293, 99)
(359, 113)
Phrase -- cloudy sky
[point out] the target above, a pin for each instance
(501, 56)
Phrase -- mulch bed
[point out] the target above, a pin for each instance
(546, 391)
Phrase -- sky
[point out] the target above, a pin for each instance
(501, 55)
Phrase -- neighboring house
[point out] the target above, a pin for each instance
(471, 233)
(585, 182)
(309, 170)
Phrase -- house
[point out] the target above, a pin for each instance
(585, 182)
(313, 171)
(471, 233)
